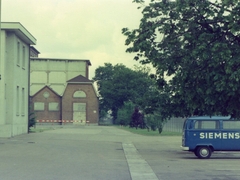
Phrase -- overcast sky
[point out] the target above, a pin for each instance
(77, 29)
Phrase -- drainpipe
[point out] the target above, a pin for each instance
(29, 102)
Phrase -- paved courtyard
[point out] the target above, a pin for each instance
(108, 153)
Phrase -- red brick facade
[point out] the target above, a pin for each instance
(91, 101)
(48, 105)
(44, 113)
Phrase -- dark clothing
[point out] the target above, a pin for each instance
(137, 118)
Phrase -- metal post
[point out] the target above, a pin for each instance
(2, 85)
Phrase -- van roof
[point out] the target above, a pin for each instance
(210, 117)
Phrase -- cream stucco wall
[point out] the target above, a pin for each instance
(2, 82)
(54, 73)
(17, 65)
(14, 96)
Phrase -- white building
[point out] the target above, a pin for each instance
(55, 73)
(14, 82)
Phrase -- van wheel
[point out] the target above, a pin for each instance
(203, 152)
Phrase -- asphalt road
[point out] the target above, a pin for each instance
(107, 153)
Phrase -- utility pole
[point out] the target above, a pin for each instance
(2, 84)
(0, 46)
(0, 36)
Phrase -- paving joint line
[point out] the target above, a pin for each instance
(138, 167)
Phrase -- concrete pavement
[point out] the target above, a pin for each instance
(107, 153)
(138, 167)
(81, 152)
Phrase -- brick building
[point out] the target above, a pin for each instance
(79, 101)
(61, 91)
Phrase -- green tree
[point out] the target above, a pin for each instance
(119, 84)
(197, 44)
(124, 114)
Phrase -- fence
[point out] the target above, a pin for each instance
(60, 122)
(174, 125)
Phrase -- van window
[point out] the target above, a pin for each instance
(206, 125)
(231, 124)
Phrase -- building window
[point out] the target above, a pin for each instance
(53, 106)
(5, 96)
(39, 106)
(46, 94)
(17, 103)
(23, 57)
(23, 102)
(79, 94)
(18, 54)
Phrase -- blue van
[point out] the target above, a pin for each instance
(204, 135)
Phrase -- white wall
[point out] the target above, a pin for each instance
(54, 73)
(2, 82)
(5, 129)
(17, 65)
(14, 83)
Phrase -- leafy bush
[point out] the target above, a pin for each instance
(124, 114)
(31, 119)
(155, 122)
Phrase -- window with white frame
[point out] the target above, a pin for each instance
(23, 102)
(79, 94)
(18, 53)
(23, 57)
(53, 106)
(39, 106)
(17, 103)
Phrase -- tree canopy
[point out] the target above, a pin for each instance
(197, 44)
(119, 84)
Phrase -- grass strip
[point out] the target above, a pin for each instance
(145, 132)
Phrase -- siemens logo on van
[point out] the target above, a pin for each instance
(227, 135)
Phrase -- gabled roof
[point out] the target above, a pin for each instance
(20, 31)
(79, 79)
(47, 88)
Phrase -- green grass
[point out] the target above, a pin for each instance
(145, 132)
(38, 130)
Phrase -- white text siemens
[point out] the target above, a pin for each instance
(211, 135)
